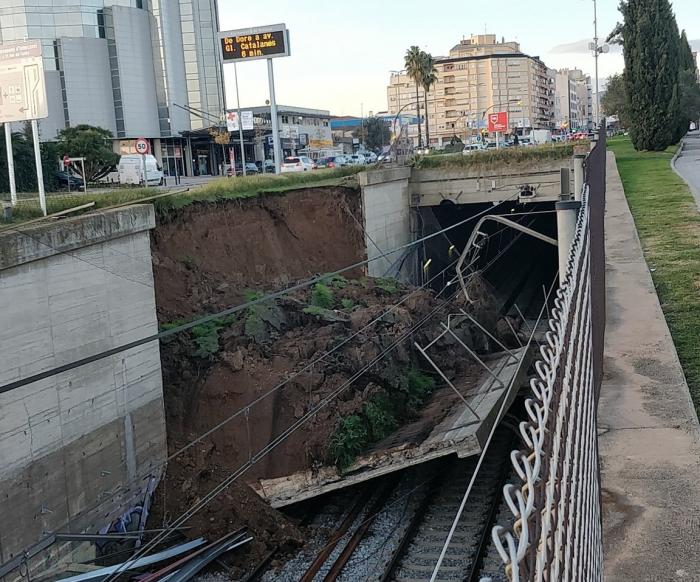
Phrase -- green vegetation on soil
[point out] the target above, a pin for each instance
(668, 224)
(322, 296)
(501, 156)
(216, 190)
(379, 417)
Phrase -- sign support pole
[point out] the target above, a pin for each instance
(273, 114)
(240, 120)
(39, 169)
(10, 163)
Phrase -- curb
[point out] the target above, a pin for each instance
(695, 193)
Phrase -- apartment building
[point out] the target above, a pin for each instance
(128, 66)
(573, 100)
(479, 75)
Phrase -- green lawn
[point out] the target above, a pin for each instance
(221, 189)
(669, 227)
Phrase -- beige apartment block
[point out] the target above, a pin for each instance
(573, 100)
(479, 76)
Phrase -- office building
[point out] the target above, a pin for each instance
(573, 100)
(128, 66)
(479, 76)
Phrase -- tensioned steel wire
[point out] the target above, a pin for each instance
(235, 309)
(555, 534)
(310, 365)
(272, 444)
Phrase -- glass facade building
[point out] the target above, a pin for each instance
(126, 65)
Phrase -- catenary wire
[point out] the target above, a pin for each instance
(229, 311)
(484, 449)
(271, 445)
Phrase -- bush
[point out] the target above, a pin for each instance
(206, 335)
(350, 439)
(322, 296)
(387, 285)
(418, 387)
(347, 303)
(379, 412)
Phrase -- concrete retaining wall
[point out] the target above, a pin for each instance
(386, 211)
(90, 436)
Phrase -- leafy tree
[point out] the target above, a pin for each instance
(615, 102)
(413, 61)
(375, 133)
(428, 79)
(92, 143)
(649, 35)
(25, 172)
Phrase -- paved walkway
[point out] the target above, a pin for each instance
(688, 163)
(649, 445)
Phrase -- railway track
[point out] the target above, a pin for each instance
(393, 529)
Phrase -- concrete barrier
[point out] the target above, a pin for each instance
(91, 436)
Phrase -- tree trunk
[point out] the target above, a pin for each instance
(420, 140)
(427, 130)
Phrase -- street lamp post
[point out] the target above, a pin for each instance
(597, 50)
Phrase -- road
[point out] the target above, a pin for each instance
(688, 164)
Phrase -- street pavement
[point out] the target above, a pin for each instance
(688, 163)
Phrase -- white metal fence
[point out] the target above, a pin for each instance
(556, 530)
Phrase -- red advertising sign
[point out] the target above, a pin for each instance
(498, 121)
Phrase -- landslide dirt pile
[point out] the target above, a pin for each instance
(206, 255)
(224, 366)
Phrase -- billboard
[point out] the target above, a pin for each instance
(498, 121)
(22, 84)
(232, 120)
(261, 42)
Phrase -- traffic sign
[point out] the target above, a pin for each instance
(22, 82)
(498, 121)
(142, 146)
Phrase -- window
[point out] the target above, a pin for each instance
(285, 119)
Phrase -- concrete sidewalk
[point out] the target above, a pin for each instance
(687, 164)
(648, 430)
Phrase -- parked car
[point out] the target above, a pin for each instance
(132, 167)
(332, 162)
(250, 168)
(297, 164)
(370, 157)
(357, 160)
(472, 147)
(66, 180)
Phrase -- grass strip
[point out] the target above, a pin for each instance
(28, 208)
(668, 224)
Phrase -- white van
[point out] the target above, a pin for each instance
(131, 170)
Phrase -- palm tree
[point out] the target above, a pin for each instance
(413, 62)
(428, 79)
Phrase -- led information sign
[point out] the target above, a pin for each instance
(263, 42)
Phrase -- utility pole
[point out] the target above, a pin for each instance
(240, 122)
(595, 43)
(273, 117)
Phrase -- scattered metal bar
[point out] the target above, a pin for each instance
(493, 337)
(103, 573)
(474, 355)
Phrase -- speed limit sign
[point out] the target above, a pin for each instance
(142, 146)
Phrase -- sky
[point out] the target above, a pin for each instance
(342, 52)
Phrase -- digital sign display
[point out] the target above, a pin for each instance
(246, 45)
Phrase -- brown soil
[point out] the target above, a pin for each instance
(209, 253)
(205, 259)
